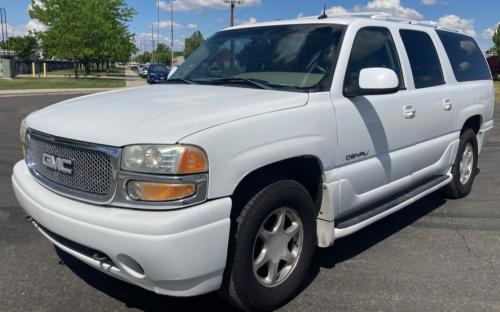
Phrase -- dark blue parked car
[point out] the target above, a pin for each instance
(157, 72)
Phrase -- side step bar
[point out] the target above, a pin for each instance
(377, 211)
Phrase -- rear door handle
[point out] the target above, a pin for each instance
(447, 104)
(409, 111)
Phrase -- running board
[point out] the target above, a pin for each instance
(355, 222)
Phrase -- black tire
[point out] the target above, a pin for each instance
(455, 189)
(251, 207)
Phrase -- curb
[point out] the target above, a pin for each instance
(50, 93)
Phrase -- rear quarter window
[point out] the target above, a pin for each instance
(465, 56)
(424, 60)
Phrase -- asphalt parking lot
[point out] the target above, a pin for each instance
(435, 255)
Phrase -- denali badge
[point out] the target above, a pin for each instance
(357, 155)
(57, 163)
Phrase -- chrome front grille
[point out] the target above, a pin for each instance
(92, 170)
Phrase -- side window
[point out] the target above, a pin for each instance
(424, 61)
(465, 56)
(373, 47)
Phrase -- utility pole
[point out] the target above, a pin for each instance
(172, 30)
(5, 36)
(152, 45)
(233, 3)
(158, 26)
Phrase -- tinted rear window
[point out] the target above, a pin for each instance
(465, 57)
(159, 68)
(424, 61)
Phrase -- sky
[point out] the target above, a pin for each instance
(477, 18)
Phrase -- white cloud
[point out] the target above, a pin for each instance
(219, 19)
(23, 30)
(488, 33)
(300, 15)
(336, 10)
(37, 3)
(166, 24)
(392, 7)
(145, 40)
(199, 6)
(252, 20)
(453, 21)
(192, 26)
(428, 2)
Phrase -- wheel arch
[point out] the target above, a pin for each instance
(471, 117)
(306, 169)
(474, 122)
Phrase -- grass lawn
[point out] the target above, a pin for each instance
(497, 91)
(59, 83)
(117, 72)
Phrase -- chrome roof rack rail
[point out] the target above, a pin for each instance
(388, 17)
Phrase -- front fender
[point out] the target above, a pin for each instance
(238, 148)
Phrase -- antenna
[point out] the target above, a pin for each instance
(323, 16)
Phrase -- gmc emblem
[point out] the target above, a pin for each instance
(57, 163)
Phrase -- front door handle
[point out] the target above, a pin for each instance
(409, 111)
(447, 104)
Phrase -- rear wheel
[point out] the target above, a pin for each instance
(464, 167)
(272, 242)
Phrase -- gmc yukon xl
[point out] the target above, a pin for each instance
(314, 129)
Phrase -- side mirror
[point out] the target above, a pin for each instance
(172, 71)
(374, 81)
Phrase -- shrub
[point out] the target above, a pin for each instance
(494, 64)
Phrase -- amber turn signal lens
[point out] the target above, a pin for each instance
(192, 161)
(149, 191)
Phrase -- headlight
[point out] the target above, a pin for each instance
(23, 131)
(164, 159)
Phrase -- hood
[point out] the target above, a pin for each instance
(161, 114)
(159, 72)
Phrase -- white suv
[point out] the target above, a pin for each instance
(316, 129)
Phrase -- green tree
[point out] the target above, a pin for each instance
(163, 54)
(85, 30)
(496, 39)
(23, 46)
(192, 43)
(143, 58)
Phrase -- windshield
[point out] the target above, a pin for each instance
(159, 68)
(295, 57)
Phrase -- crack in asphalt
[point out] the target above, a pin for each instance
(466, 244)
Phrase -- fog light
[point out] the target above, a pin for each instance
(150, 191)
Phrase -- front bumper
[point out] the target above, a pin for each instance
(179, 253)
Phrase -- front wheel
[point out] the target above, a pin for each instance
(465, 166)
(272, 242)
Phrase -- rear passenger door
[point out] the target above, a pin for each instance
(376, 136)
(434, 101)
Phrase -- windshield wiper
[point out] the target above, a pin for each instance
(255, 82)
(182, 80)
